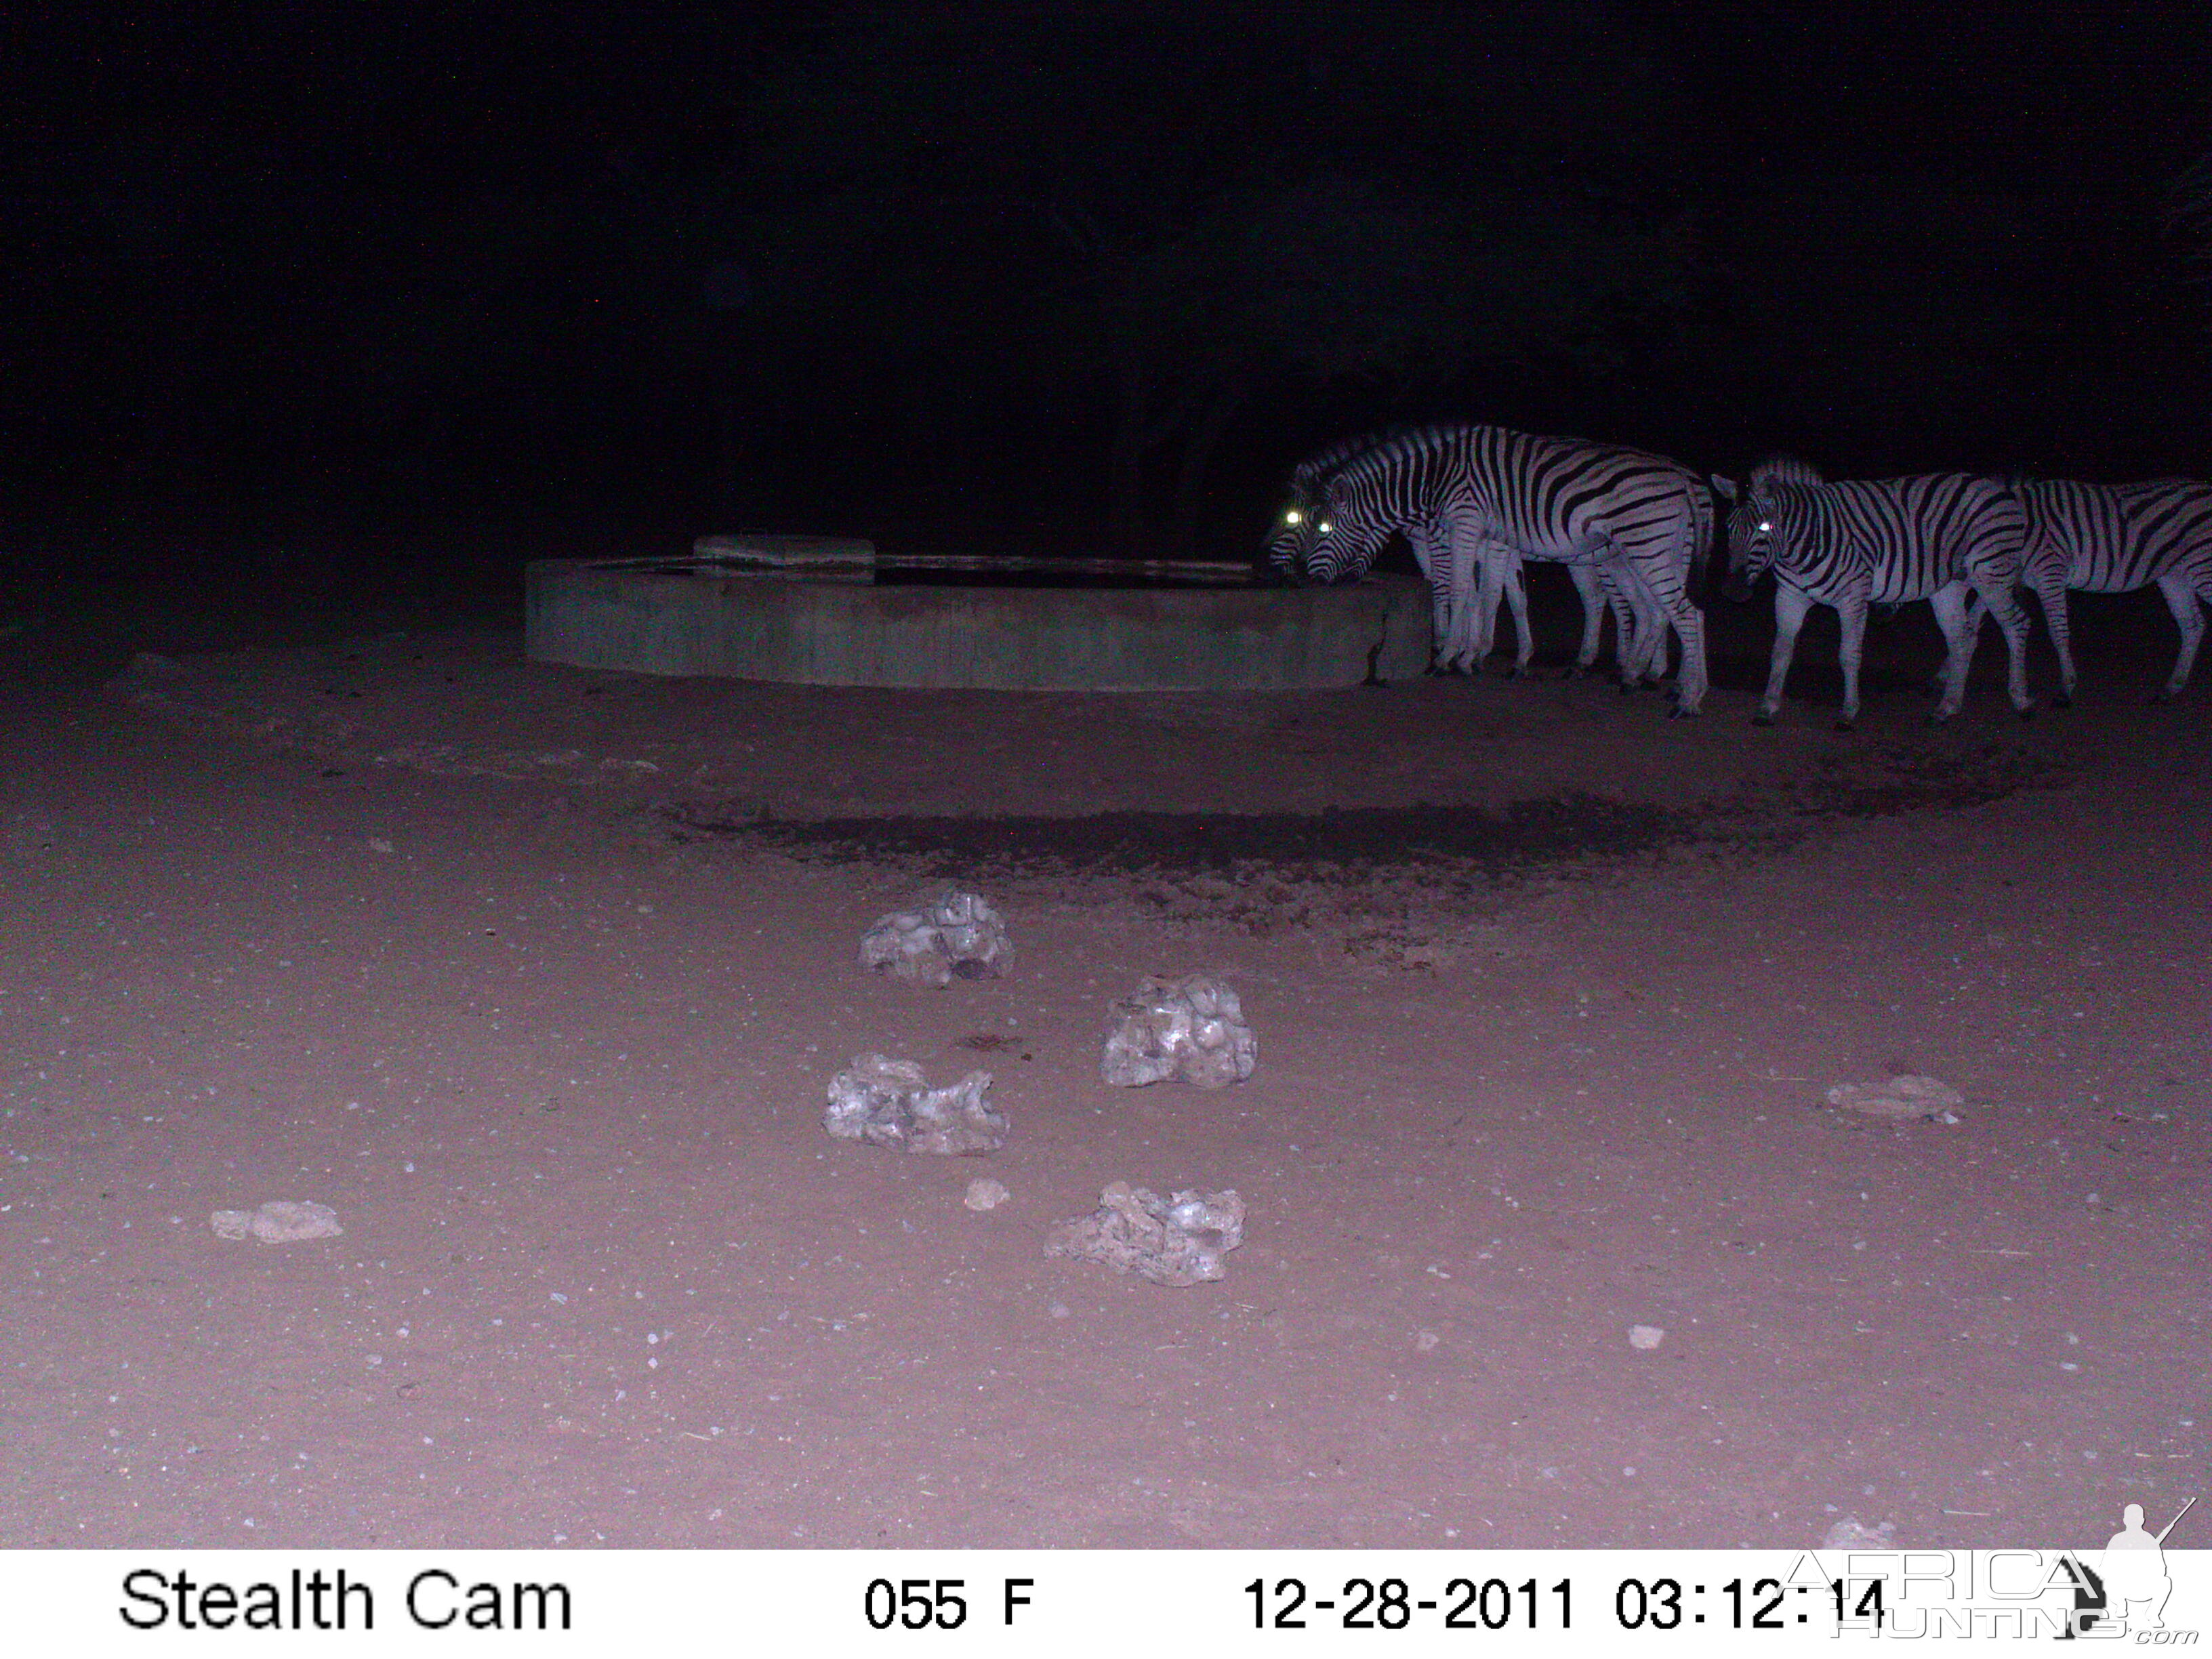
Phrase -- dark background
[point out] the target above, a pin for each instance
(371, 297)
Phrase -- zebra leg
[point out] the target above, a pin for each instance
(1851, 617)
(2051, 596)
(1639, 626)
(1435, 568)
(2013, 621)
(1689, 622)
(1651, 628)
(1463, 573)
(2182, 598)
(1949, 604)
(1591, 590)
(1790, 610)
(1513, 578)
(1977, 611)
(1635, 604)
(1479, 635)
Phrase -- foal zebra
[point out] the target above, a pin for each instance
(1851, 545)
(2115, 539)
(1452, 589)
(1485, 498)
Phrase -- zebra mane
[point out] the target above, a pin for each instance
(1782, 469)
(1315, 467)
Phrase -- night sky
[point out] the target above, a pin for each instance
(1057, 276)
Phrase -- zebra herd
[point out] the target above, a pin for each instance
(1635, 530)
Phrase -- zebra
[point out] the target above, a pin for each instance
(1452, 593)
(2114, 539)
(1639, 623)
(1465, 634)
(1487, 498)
(1853, 544)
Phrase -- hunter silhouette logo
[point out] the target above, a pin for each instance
(2134, 1581)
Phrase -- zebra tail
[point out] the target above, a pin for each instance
(1701, 550)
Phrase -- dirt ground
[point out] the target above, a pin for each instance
(536, 977)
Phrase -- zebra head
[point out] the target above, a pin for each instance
(1752, 520)
(1328, 554)
(1304, 517)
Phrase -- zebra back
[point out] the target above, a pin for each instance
(2112, 538)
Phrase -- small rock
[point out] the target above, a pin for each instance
(954, 935)
(1645, 1337)
(1906, 1097)
(281, 1221)
(985, 1194)
(1169, 1241)
(1191, 1027)
(889, 1102)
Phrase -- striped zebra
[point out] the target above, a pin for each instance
(1851, 545)
(1486, 498)
(2114, 539)
(1453, 591)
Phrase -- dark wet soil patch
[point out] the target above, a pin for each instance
(1541, 831)
(1561, 829)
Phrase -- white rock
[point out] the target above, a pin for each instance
(1646, 1337)
(1180, 1240)
(1851, 1533)
(280, 1221)
(889, 1102)
(954, 935)
(1907, 1096)
(985, 1194)
(1191, 1027)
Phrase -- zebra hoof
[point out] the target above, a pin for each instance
(2026, 713)
(2160, 699)
(1676, 712)
(1764, 717)
(2062, 700)
(1845, 723)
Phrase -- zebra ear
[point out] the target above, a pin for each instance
(1726, 487)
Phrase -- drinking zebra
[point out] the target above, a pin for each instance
(1454, 588)
(2114, 539)
(1853, 544)
(1484, 499)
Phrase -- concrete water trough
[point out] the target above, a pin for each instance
(814, 611)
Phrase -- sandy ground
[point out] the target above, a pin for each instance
(536, 976)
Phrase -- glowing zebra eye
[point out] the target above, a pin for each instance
(1293, 517)
(1322, 526)
(1764, 524)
